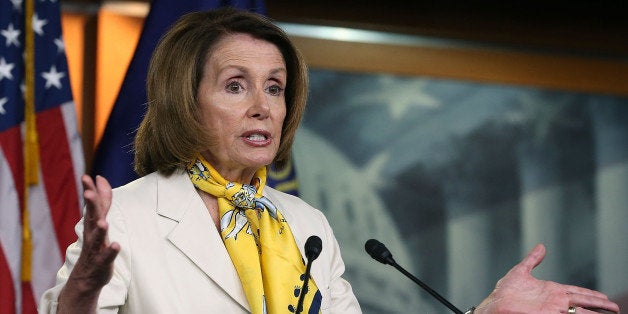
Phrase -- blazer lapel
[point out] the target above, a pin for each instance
(296, 226)
(195, 235)
(301, 232)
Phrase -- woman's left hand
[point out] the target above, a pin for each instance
(519, 292)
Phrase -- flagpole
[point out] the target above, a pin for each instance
(31, 149)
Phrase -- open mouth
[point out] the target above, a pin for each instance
(257, 137)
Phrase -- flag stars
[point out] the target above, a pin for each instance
(53, 78)
(17, 5)
(38, 25)
(5, 69)
(60, 45)
(2, 102)
(11, 34)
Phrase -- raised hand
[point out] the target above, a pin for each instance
(519, 292)
(94, 267)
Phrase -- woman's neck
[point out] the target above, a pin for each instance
(211, 203)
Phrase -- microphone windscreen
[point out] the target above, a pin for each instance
(313, 247)
(378, 251)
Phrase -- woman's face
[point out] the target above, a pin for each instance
(242, 102)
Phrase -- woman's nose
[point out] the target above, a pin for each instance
(259, 107)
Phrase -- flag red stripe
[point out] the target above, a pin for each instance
(28, 300)
(11, 145)
(58, 174)
(7, 293)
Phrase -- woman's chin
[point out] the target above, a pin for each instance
(258, 162)
(259, 158)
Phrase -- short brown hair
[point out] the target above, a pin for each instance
(172, 134)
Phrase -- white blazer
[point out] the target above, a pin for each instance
(172, 259)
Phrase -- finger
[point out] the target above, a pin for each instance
(534, 258)
(593, 302)
(584, 291)
(100, 235)
(97, 252)
(91, 201)
(95, 239)
(110, 253)
(582, 310)
(104, 191)
(87, 182)
(97, 197)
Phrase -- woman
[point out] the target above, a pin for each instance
(226, 91)
(200, 232)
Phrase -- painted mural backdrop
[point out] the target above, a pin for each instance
(461, 179)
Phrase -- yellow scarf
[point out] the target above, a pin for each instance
(259, 241)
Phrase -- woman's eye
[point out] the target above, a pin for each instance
(275, 90)
(234, 87)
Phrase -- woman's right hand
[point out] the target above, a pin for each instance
(94, 267)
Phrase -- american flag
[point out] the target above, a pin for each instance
(41, 159)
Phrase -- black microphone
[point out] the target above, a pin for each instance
(380, 253)
(313, 247)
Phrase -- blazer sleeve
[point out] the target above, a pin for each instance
(342, 298)
(113, 295)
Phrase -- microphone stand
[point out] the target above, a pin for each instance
(304, 288)
(427, 288)
(380, 253)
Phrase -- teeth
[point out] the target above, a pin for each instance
(256, 137)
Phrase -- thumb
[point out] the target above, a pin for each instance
(534, 258)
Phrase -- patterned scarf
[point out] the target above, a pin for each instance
(259, 241)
